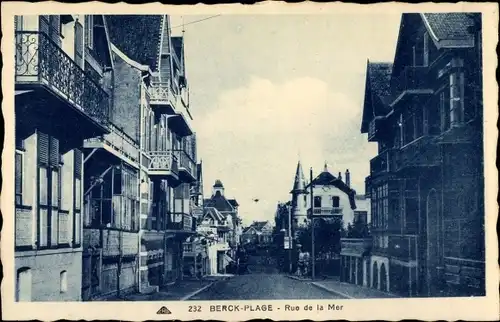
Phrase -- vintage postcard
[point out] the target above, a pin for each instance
(282, 161)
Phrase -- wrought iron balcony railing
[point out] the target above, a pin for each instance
(119, 141)
(163, 161)
(40, 61)
(326, 211)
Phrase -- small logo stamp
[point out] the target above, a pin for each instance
(163, 310)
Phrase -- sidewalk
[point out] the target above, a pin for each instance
(351, 291)
(180, 291)
(347, 290)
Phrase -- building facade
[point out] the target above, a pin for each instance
(59, 103)
(228, 208)
(259, 233)
(424, 110)
(105, 156)
(332, 197)
(151, 61)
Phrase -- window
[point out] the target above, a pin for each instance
(48, 189)
(19, 178)
(408, 128)
(89, 31)
(335, 202)
(457, 97)
(444, 108)
(79, 43)
(419, 122)
(317, 202)
(63, 282)
(23, 285)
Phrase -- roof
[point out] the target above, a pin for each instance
(219, 202)
(218, 184)
(449, 26)
(257, 225)
(214, 213)
(137, 36)
(325, 178)
(299, 181)
(233, 202)
(377, 92)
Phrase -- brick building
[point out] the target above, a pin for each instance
(110, 194)
(58, 105)
(426, 183)
(152, 94)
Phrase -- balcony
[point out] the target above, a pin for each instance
(403, 247)
(413, 80)
(181, 223)
(163, 164)
(385, 162)
(419, 154)
(51, 83)
(355, 246)
(375, 128)
(326, 212)
(162, 97)
(117, 143)
(187, 166)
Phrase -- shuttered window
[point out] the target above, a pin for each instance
(55, 28)
(49, 189)
(44, 23)
(89, 31)
(19, 178)
(77, 219)
(79, 43)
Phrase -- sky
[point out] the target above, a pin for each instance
(268, 90)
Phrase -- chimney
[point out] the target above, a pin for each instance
(340, 175)
(347, 178)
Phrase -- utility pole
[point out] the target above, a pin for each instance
(290, 245)
(312, 226)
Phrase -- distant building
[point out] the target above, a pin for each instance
(299, 199)
(258, 233)
(227, 208)
(332, 197)
(426, 184)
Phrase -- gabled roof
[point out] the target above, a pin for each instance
(451, 26)
(259, 225)
(447, 30)
(219, 202)
(325, 178)
(212, 212)
(137, 36)
(377, 91)
(233, 202)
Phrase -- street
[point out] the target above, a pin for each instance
(263, 282)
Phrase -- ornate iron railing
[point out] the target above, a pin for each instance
(163, 161)
(326, 211)
(161, 92)
(40, 60)
(120, 141)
